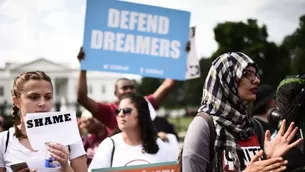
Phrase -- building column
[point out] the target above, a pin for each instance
(71, 93)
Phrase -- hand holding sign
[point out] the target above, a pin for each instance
(81, 54)
(56, 127)
(59, 153)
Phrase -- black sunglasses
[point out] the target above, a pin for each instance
(126, 111)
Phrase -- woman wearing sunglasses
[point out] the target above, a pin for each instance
(137, 143)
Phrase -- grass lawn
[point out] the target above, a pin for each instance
(181, 124)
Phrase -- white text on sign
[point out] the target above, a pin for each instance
(137, 44)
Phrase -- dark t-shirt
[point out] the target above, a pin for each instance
(265, 125)
(296, 159)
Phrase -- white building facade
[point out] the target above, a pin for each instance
(64, 79)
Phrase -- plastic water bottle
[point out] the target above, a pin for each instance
(51, 164)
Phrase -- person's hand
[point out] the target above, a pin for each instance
(273, 164)
(81, 54)
(163, 136)
(281, 143)
(188, 47)
(59, 152)
(27, 170)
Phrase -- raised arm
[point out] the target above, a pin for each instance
(164, 89)
(168, 84)
(82, 94)
(100, 111)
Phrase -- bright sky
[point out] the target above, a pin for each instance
(53, 29)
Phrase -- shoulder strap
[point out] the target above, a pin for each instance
(7, 139)
(212, 128)
(259, 131)
(112, 153)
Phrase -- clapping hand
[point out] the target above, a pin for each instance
(273, 164)
(281, 143)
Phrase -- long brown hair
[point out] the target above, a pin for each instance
(17, 90)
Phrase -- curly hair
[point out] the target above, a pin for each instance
(17, 90)
(148, 132)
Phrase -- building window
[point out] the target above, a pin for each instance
(1, 91)
(103, 90)
(90, 90)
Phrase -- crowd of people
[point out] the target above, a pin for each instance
(222, 137)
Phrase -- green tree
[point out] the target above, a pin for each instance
(251, 39)
(150, 85)
(185, 92)
(296, 45)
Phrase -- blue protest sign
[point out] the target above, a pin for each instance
(133, 38)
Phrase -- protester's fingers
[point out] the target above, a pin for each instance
(289, 130)
(280, 169)
(295, 143)
(188, 46)
(58, 151)
(58, 158)
(52, 145)
(257, 156)
(267, 136)
(24, 170)
(271, 161)
(57, 146)
(292, 134)
(282, 128)
(59, 155)
(276, 165)
(81, 54)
